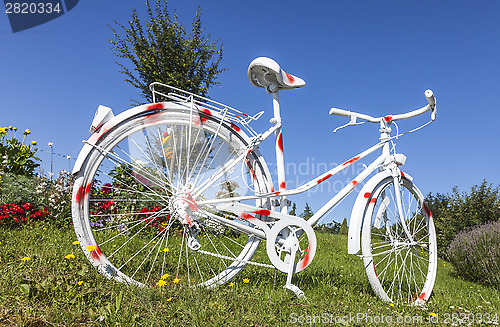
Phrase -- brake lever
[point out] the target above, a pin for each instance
(351, 123)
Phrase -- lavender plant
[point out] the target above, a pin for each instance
(475, 254)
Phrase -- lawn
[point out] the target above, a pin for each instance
(55, 288)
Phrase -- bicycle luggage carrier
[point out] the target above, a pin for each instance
(227, 112)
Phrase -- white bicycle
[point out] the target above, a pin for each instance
(177, 192)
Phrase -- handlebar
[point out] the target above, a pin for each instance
(431, 106)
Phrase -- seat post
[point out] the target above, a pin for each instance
(280, 159)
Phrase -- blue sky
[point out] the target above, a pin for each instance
(375, 57)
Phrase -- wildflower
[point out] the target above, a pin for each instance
(161, 283)
(166, 250)
(169, 299)
(70, 256)
(75, 243)
(27, 132)
(231, 284)
(33, 142)
(165, 276)
(3, 131)
(50, 144)
(26, 259)
(392, 304)
(80, 282)
(91, 248)
(433, 314)
(246, 280)
(177, 280)
(10, 127)
(44, 228)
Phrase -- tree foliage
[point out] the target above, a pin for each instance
(307, 213)
(161, 50)
(343, 230)
(461, 211)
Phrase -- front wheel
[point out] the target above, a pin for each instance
(401, 268)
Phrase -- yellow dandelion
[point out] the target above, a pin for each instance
(27, 131)
(114, 245)
(26, 259)
(70, 256)
(392, 304)
(169, 299)
(433, 314)
(166, 250)
(44, 228)
(471, 287)
(161, 283)
(80, 282)
(231, 284)
(75, 243)
(91, 248)
(177, 280)
(165, 276)
(33, 142)
(246, 280)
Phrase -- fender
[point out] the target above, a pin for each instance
(108, 121)
(113, 121)
(358, 211)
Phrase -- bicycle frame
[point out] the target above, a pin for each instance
(383, 159)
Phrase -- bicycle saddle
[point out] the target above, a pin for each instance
(265, 72)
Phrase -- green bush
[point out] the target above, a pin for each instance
(460, 211)
(24, 199)
(475, 254)
(17, 157)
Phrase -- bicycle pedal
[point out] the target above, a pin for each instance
(300, 294)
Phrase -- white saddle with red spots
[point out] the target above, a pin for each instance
(265, 72)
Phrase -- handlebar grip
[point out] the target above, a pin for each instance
(430, 97)
(340, 112)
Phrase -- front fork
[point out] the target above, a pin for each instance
(392, 166)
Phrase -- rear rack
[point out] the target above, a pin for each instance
(228, 113)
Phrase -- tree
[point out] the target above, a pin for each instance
(459, 211)
(343, 230)
(293, 210)
(162, 51)
(307, 213)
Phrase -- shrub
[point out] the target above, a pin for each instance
(460, 211)
(14, 215)
(475, 254)
(17, 157)
(24, 198)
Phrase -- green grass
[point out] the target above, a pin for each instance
(44, 291)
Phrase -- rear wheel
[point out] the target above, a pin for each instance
(135, 200)
(400, 269)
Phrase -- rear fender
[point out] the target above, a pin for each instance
(108, 121)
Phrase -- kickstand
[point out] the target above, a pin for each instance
(291, 270)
